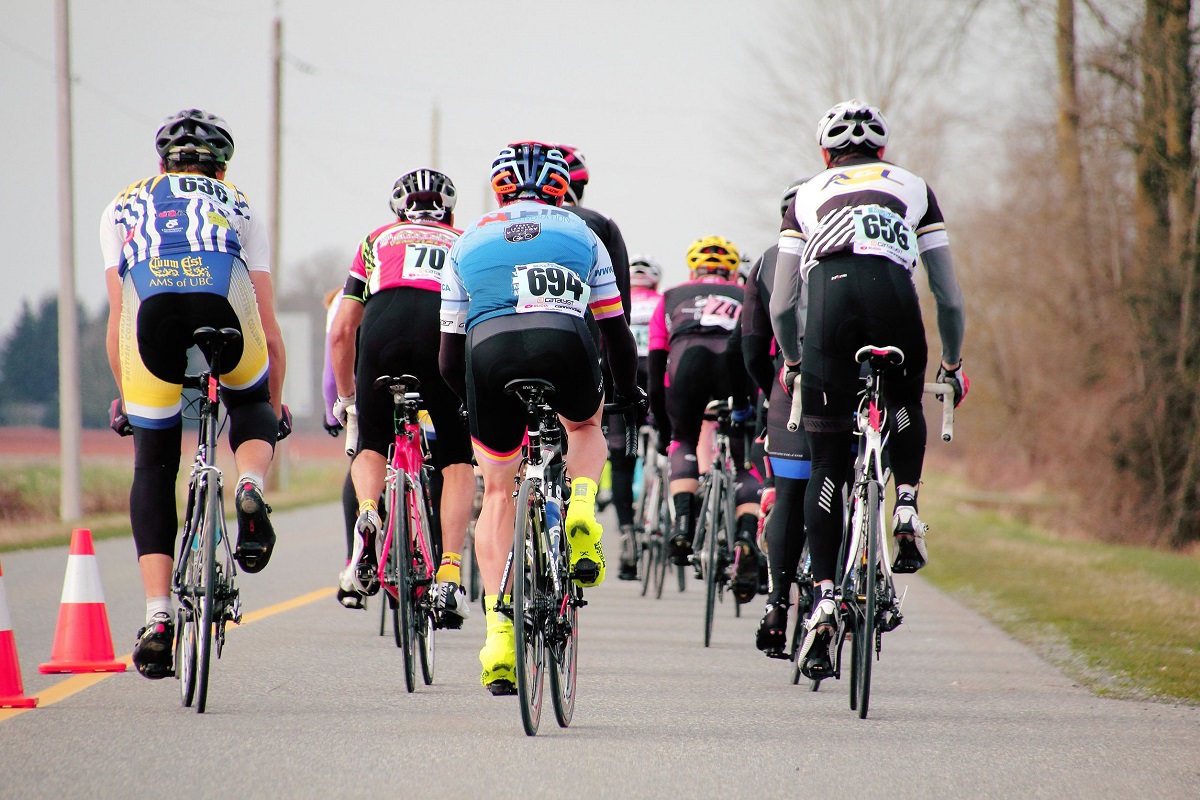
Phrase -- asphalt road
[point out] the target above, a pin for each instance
(309, 701)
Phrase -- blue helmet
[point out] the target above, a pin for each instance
(530, 170)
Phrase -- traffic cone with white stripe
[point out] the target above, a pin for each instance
(12, 690)
(83, 640)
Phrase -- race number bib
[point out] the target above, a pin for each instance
(879, 231)
(550, 287)
(720, 311)
(641, 336)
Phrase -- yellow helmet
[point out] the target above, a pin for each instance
(713, 254)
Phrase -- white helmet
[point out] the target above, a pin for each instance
(852, 123)
(644, 271)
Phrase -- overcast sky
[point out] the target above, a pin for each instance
(656, 93)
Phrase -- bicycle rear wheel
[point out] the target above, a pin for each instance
(865, 631)
(529, 601)
(206, 554)
(714, 515)
(405, 611)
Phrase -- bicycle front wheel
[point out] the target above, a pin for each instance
(564, 646)
(530, 598)
(422, 569)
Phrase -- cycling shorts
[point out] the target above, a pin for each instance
(156, 333)
(862, 300)
(554, 347)
(399, 335)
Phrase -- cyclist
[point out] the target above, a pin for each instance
(644, 274)
(851, 239)
(182, 250)
(610, 235)
(391, 302)
(522, 283)
(691, 363)
(787, 451)
(347, 595)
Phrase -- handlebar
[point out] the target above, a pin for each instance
(629, 412)
(945, 393)
(793, 423)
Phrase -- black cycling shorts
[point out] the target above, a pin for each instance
(400, 335)
(554, 347)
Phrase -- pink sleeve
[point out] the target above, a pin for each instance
(658, 327)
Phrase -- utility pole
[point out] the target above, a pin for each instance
(70, 416)
(278, 476)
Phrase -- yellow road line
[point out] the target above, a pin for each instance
(77, 683)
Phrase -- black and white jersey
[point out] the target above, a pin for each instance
(863, 207)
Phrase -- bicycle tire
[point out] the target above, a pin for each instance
(185, 656)
(712, 514)
(405, 595)
(209, 532)
(564, 651)
(423, 574)
(863, 644)
(391, 570)
(528, 592)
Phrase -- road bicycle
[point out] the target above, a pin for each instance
(409, 554)
(654, 516)
(713, 555)
(203, 578)
(866, 589)
(545, 600)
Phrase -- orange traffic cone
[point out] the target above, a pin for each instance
(82, 641)
(12, 691)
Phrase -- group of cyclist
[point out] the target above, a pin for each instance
(541, 287)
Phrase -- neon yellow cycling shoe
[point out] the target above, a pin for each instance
(499, 653)
(583, 534)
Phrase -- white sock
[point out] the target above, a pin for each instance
(155, 605)
(257, 480)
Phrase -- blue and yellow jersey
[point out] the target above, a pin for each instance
(181, 232)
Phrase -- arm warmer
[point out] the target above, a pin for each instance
(786, 307)
(951, 318)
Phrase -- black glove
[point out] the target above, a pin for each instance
(117, 419)
(957, 379)
(285, 423)
(637, 399)
(334, 430)
(787, 377)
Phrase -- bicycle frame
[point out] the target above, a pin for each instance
(203, 584)
(407, 562)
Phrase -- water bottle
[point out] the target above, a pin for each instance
(637, 480)
(554, 522)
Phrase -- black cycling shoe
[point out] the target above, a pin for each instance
(502, 688)
(681, 550)
(154, 649)
(628, 571)
(745, 581)
(256, 537)
(772, 631)
(817, 665)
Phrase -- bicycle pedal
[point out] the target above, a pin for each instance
(502, 688)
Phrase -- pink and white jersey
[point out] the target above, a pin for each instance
(642, 302)
(403, 254)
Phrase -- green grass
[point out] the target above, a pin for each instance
(29, 498)
(1123, 621)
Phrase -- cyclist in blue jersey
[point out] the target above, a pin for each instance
(182, 250)
(523, 290)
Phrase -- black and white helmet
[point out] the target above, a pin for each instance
(194, 135)
(644, 271)
(789, 194)
(424, 194)
(852, 123)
